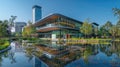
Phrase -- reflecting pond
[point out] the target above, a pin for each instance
(99, 56)
(17, 57)
(92, 56)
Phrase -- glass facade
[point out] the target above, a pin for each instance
(36, 13)
(66, 27)
(19, 26)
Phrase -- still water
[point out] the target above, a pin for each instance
(93, 56)
(17, 57)
(99, 56)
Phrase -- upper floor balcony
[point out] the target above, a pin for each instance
(53, 25)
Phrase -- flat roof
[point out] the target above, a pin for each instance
(36, 6)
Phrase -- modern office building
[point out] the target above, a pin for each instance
(36, 13)
(19, 26)
(58, 26)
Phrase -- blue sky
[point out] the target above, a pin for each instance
(98, 11)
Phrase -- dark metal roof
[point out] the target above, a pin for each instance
(95, 24)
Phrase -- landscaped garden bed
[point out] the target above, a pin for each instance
(4, 43)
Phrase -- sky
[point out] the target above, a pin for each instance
(99, 11)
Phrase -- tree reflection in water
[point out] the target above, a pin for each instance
(109, 50)
(115, 48)
(87, 52)
(29, 53)
(29, 49)
(1, 59)
(11, 57)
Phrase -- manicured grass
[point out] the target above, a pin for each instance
(88, 41)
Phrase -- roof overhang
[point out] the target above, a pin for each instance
(53, 17)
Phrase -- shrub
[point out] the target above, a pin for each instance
(4, 44)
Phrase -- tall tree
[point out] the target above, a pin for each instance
(11, 24)
(95, 29)
(28, 30)
(116, 12)
(118, 26)
(3, 28)
(108, 25)
(114, 31)
(11, 20)
(86, 28)
(102, 31)
(105, 29)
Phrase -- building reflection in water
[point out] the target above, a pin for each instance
(39, 63)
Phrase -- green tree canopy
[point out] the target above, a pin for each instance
(118, 24)
(86, 28)
(3, 28)
(116, 12)
(114, 30)
(108, 25)
(29, 30)
(105, 29)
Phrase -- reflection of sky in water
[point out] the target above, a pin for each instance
(19, 60)
(99, 60)
(13, 46)
(16, 59)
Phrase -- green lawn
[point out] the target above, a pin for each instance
(88, 41)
